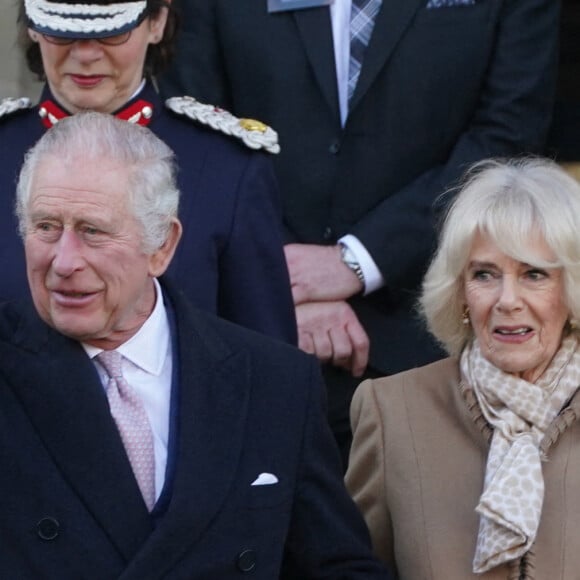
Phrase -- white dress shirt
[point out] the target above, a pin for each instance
(340, 17)
(147, 366)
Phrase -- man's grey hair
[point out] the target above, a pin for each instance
(93, 137)
(512, 202)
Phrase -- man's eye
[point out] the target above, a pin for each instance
(90, 230)
(46, 227)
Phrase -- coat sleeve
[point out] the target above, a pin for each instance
(254, 288)
(512, 117)
(338, 544)
(365, 478)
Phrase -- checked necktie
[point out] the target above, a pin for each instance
(362, 22)
(132, 423)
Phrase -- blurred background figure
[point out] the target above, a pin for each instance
(468, 467)
(380, 107)
(563, 141)
(103, 55)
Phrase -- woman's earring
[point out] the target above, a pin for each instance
(573, 324)
(465, 318)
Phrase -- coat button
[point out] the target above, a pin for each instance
(47, 528)
(334, 147)
(246, 561)
(328, 234)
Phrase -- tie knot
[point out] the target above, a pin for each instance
(110, 360)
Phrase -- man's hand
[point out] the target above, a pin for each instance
(317, 273)
(331, 331)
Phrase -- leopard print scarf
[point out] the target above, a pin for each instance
(519, 412)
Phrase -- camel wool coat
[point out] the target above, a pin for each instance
(416, 471)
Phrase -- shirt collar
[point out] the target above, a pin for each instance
(148, 348)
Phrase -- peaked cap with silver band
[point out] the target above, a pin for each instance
(84, 19)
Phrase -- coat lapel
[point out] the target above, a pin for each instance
(392, 20)
(60, 391)
(315, 30)
(213, 401)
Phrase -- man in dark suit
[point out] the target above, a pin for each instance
(205, 453)
(443, 84)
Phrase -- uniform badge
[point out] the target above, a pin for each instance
(11, 105)
(254, 134)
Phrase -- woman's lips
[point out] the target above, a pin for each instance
(87, 81)
(513, 334)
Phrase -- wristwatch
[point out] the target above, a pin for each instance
(349, 259)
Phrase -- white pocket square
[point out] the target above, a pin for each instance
(265, 479)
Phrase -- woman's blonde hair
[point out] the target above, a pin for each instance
(511, 202)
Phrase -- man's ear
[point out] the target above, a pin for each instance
(159, 261)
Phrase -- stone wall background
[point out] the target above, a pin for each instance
(15, 80)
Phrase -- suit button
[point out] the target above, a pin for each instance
(246, 561)
(328, 233)
(47, 529)
(334, 147)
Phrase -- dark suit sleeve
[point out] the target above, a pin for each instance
(328, 537)
(255, 285)
(512, 117)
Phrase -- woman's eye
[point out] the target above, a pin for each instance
(536, 274)
(482, 275)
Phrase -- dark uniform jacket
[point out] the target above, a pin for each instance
(230, 260)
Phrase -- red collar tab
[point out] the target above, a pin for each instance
(140, 113)
(50, 113)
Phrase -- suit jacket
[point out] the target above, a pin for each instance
(230, 259)
(563, 142)
(417, 468)
(245, 405)
(439, 89)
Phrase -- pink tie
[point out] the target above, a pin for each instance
(132, 423)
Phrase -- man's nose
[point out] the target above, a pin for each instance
(68, 256)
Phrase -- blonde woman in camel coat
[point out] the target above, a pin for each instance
(470, 467)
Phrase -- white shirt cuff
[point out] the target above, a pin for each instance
(373, 277)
